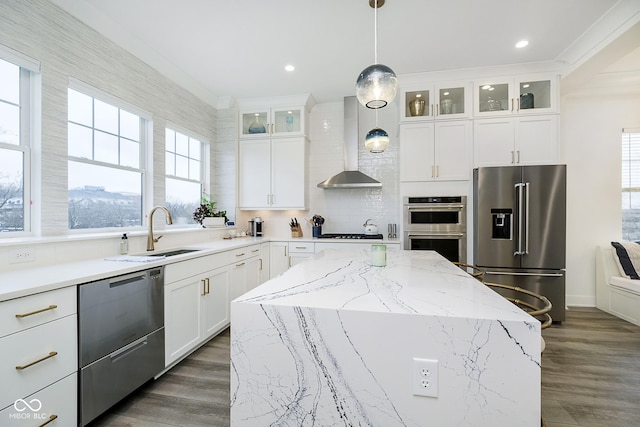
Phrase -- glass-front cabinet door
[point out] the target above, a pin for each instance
(442, 101)
(524, 95)
(284, 121)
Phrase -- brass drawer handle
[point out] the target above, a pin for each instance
(51, 418)
(242, 254)
(240, 265)
(51, 307)
(50, 355)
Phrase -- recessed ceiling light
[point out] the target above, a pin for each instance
(486, 87)
(289, 67)
(521, 44)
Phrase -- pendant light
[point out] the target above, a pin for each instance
(377, 84)
(377, 139)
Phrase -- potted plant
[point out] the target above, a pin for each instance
(207, 215)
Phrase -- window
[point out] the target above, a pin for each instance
(631, 184)
(185, 160)
(106, 163)
(15, 146)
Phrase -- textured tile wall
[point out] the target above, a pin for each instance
(66, 48)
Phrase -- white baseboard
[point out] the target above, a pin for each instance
(581, 300)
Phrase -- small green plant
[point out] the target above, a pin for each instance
(206, 209)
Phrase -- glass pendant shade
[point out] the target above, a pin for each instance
(377, 140)
(376, 86)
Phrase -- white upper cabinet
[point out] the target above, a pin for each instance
(531, 94)
(276, 121)
(282, 116)
(438, 151)
(505, 141)
(273, 173)
(443, 101)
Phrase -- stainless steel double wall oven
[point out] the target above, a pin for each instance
(436, 223)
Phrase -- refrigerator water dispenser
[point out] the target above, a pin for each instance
(501, 223)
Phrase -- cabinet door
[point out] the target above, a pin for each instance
(252, 273)
(452, 101)
(453, 150)
(493, 97)
(417, 152)
(182, 317)
(536, 94)
(215, 301)
(254, 123)
(278, 258)
(493, 141)
(254, 174)
(288, 121)
(288, 178)
(237, 280)
(418, 103)
(536, 140)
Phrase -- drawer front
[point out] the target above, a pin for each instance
(33, 359)
(244, 253)
(301, 247)
(23, 313)
(105, 382)
(56, 403)
(195, 267)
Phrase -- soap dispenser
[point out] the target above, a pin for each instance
(124, 244)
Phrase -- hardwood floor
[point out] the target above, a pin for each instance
(590, 377)
(591, 371)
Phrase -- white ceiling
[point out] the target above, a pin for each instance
(238, 49)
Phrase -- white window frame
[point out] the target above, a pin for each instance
(630, 137)
(205, 165)
(146, 153)
(30, 93)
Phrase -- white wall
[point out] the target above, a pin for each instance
(591, 125)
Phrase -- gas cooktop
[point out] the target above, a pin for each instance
(349, 236)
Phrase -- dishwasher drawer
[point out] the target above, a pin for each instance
(111, 378)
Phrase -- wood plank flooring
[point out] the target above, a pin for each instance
(590, 377)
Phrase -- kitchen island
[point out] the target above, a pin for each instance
(334, 341)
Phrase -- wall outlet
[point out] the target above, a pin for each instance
(425, 377)
(24, 254)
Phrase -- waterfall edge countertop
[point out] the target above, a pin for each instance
(337, 341)
(413, 282)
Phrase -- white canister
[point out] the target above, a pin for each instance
(378, 255)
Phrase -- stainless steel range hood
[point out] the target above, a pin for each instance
(351, 177)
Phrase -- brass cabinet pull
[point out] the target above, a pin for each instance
(240, 265)
(51, 307)
(51, 418)
(208, 286)
(511, 104)
(518, 156)
(242, 254)
(255, 250)
(260, 264)
(512, 157)
(437, 171)
(432, 174)
(204, 287)
(50, 355)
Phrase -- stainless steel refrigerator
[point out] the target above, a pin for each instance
(519, 220)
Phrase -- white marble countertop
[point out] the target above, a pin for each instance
(413, 282)
(25, 282)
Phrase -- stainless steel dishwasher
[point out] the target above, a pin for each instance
(121, 338)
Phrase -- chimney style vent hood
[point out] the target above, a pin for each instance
(351, 177)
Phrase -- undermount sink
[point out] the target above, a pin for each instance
(172, 253)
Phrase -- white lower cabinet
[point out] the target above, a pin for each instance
(195, 309)
(528, 140)
(278, 258)
(300, 251)
(55, 405)
(198, 294)
(39, 359)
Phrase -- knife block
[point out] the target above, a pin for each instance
(296, 231)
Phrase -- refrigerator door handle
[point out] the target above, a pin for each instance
(526, 219)
(519, 190)
(502, 273)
